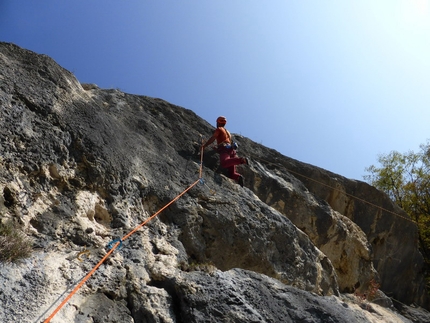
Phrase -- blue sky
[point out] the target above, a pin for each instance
(331, 83)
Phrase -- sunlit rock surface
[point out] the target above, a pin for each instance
(82, 166)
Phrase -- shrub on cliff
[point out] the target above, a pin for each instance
(14, 244)
(406, 180)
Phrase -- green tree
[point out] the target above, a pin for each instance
(406, 180)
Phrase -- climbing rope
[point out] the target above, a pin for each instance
(338, 190)
(81, 283)
(118, 242)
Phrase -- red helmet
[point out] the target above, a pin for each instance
(221, 120)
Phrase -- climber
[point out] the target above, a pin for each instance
(227, 150)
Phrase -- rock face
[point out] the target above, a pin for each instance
(82, 166)
(356, 227)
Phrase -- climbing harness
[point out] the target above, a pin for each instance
(117, 243)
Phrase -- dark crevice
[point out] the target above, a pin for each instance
(9, 199)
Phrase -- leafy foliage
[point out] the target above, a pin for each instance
(14, 244)
(370, 294)
(406, 179)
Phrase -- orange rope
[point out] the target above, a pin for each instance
(201, 159)
(82, 282)
(73, 292)
(355, 197)
(336, 189)
(161, 210)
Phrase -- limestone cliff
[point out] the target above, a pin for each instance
(82, 166)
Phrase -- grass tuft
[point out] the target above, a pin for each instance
(14, 244)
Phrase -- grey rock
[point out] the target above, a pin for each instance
(243, 296)
(83, 166)
(385, 226)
